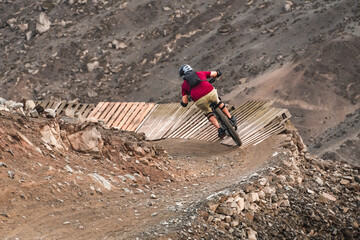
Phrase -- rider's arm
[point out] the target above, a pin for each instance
(213, 74)
(185, 99)
(216, 73)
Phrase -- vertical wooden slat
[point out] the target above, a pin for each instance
(94, 112)
(103, 107)
(134, 114)
(82, 109)
(141, 116)
(116, 114)
(89, 108)
(112, 111)
(60, 108)
(122, 114)
(106, 111)
(127, 116)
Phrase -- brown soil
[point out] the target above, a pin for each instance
(47, 200)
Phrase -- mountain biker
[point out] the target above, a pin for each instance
(203, 93)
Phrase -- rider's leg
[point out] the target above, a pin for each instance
(224, 109)
(214, 121)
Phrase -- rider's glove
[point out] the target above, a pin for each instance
(183, 104)
(218, 73)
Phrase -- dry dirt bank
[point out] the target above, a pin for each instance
(121, 188)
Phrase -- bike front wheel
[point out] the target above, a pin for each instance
(230, 129)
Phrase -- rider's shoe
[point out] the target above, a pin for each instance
(233, 121)
(221, 133)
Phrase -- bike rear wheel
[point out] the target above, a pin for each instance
(233, 134)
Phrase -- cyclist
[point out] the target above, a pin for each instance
(203, 93)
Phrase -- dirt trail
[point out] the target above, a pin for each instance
(204, 169)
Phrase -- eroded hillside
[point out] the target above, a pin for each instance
(131, 50)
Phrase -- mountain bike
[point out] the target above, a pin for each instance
(224, 122)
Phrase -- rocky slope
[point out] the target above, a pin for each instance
(51, 170)
(114, 50)
(300, 197)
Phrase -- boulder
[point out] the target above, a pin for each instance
(28, 35)
(224, 210)
(325, 197)
(29, 105)
(100, 179)
(23, 27)
(92, 65)
(87, 140)
(43, 24)
(49, 137)
(119, 45)
(50, 113)
(14, 105)
(288, 6)
(253, 197)
(3, 108)
(251, 234)
(34, 113)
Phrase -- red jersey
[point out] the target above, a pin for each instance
(200, 90)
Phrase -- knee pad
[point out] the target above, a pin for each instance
(209, 115)
(218, 105)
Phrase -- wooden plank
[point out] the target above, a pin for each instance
(260, 133)
(187, 123)
(106, 110)
(141, 116)
(60, 108)
(82, 109)
(182, 122)
(208, 129)
(134, 114)
(122, 115)
(267, 134)
(149, 115)
(249, 111)
(69, 106)
(55, 105)
(273, 132)
(160, 121)
(185, 114)
(173, 113)
(127, 116)
(50, 103)
(76, 107)
(261, 120)
(44, 103)
(101, 110)
(111, 112)
(94, 112)
(241, 113)
(192, 131)
(116, 115)
(89, 108)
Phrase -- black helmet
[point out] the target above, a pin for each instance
(184, 69)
